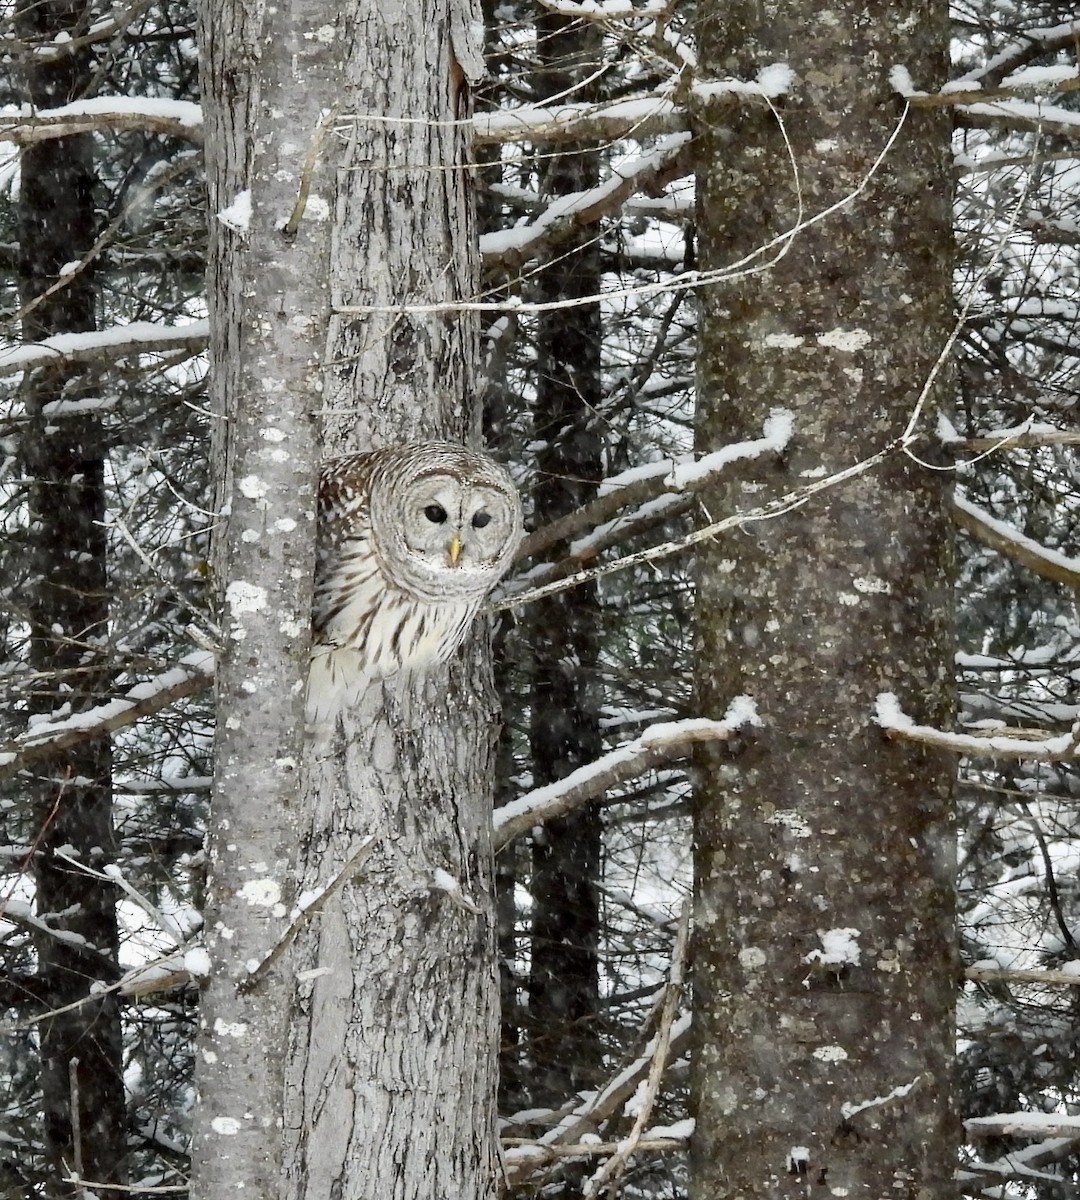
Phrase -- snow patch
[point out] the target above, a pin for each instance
(243, 597)
(782, 341)
(900, 81)
(838, 948)
(238, 214)
(233, 1029)
(253, 487)
(197, 963)
(848, 340)
(226, 1126)
(262, 893)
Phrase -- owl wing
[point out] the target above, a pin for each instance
(342, 528)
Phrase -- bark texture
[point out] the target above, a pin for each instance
(824, 961)
(391, 1060)
(269, 77)
(564, 710)
(84, 1125)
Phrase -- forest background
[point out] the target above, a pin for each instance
(803, 278)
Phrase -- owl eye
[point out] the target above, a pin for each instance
(481, 519)
(435, 513)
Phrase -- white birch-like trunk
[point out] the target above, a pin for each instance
(268, 77)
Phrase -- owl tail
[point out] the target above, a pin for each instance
(335, 681)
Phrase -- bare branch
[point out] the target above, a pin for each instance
(596, 1108)
(611, 1171)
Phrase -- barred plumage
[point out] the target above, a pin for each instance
(411, 539)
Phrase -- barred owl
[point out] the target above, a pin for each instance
(411, 539)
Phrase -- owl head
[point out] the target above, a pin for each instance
(445, 521)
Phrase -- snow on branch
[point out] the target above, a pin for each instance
(607, 10)
(567, 213)
(1023, 1124)
(1002, 742)
(967, 91)
(114, 114)
(140, 337)
(979, 106)
(641, 1106)
(523, 1157)
(1021, 116)
(1030, 435)
(645, 484)
(63, 45)
(658, 744)
(646, 116)
(46, 737)
(770, 82)
(1033, 43)
(977, 974)
(1011, 543)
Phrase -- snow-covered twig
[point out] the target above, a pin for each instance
(658, 744)
(1050, 564)
(1032, 744)
(306, 911)
(568, 213)
(194, 673)
(174, 118)
(140, 337)
(611, 1171)
(113, 875)
(640, 485)
(595, 1108)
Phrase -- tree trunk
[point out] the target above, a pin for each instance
(824, 964)
(564, 1046)
(84, 1127)
(391, 1063)
(269, 77)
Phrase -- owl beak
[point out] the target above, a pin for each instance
(453, 550)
